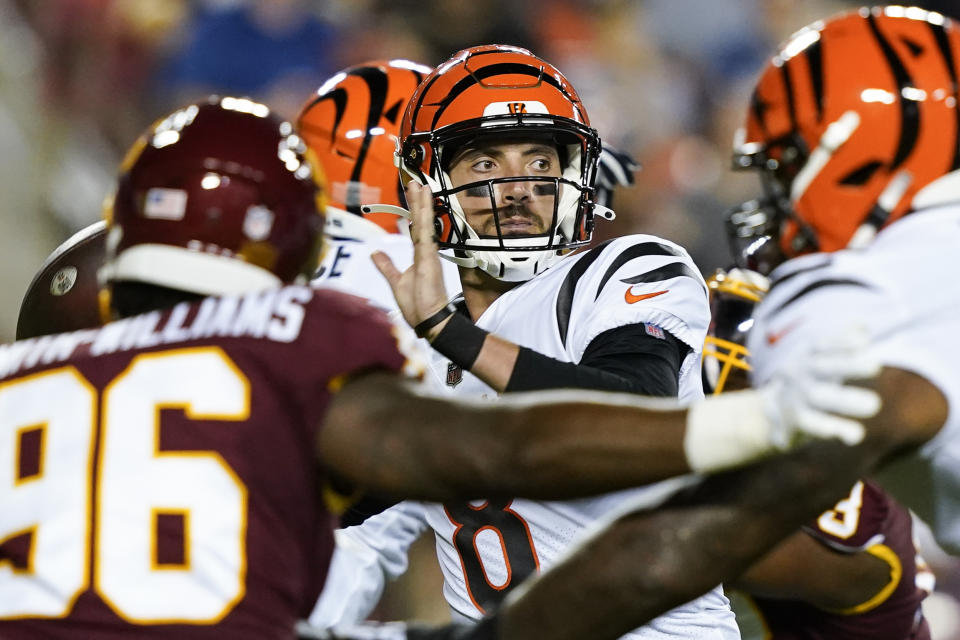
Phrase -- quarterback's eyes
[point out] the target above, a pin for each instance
(541, 164)
(483, 165)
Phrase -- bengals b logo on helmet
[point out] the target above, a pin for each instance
(852, 121)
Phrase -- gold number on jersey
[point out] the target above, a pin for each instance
(139, 479)
(843, 520)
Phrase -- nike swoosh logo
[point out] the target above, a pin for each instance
(773, 337)
(631, 298)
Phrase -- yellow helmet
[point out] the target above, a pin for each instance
(733, 295)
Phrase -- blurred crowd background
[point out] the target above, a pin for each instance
(666, 80)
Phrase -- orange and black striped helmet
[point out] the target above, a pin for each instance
(851, 123)
(501, 91)
(352, 124)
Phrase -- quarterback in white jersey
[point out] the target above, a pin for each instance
(484, 548)
(630, 315)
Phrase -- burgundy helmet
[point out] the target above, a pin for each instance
(63, 296)
(217, 198)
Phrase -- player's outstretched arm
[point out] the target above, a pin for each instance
(389, 437)
(804, 569)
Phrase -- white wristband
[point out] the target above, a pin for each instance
(727, 430)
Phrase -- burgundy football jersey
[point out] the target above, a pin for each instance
(158, 475)
(867, 519)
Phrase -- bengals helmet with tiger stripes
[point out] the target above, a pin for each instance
(352, 124)
(501, 92)
(852, 125)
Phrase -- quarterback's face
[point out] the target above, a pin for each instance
(521, 207)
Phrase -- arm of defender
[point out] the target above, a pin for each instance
(389, 438)
(801, 568)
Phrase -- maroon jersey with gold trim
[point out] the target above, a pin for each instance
(867, 520)
(158, 476)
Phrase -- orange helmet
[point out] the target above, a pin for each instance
(733, 295)
(850, 125)
(352, 124)
(501, 91)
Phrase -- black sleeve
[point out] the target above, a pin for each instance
(625, 358)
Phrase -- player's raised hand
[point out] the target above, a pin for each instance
(817, 396)
(419, 290)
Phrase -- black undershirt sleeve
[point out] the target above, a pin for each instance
(625, 358)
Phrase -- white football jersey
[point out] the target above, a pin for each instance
(902, 289)
(346, 265)
(487, 546)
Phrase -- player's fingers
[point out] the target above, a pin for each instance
(385, 266)
(420, 199)
(855, 402)
(845, 365)
(828, 426)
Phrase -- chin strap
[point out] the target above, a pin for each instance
(604, 212)
(385, 208)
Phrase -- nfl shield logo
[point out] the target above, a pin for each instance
(654, 330)
(454, 375)
(258, 223)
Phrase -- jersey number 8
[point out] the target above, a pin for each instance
(495, 518)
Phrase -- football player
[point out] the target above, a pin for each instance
(63, 295)
(854, 129)
(499, 140)
(175, 472)
(853, 572)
